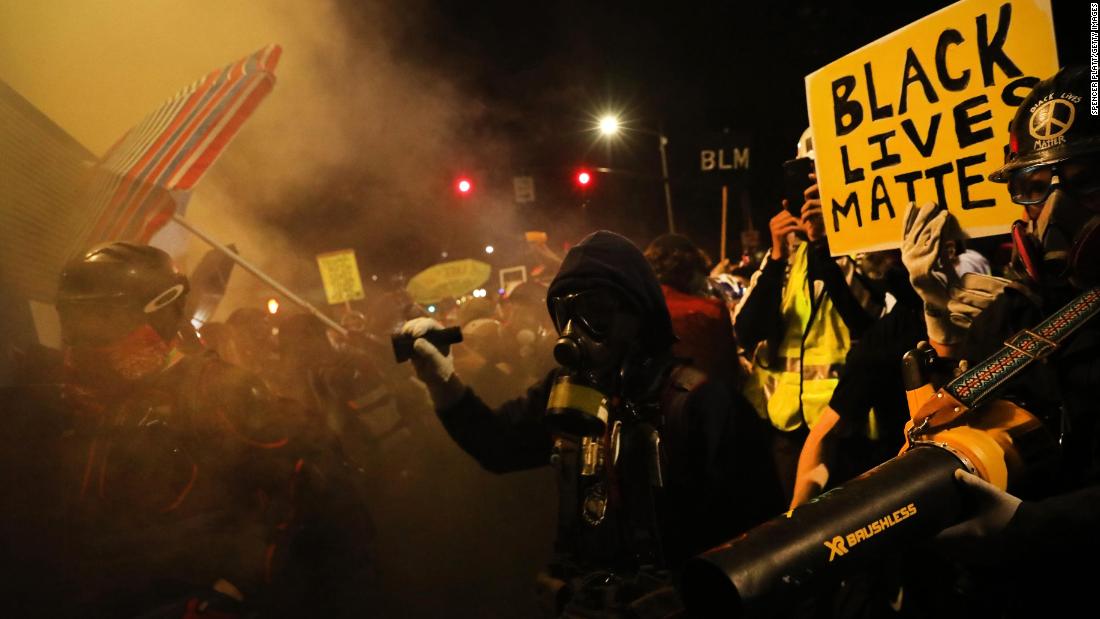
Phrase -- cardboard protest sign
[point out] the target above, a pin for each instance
(340, 275)
(512, 277)
(922, 115)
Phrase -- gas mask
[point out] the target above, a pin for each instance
(1062, 241)
(1052, 167)
(597, 333)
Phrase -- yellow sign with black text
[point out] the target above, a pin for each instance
(340, 275)
(922, 115)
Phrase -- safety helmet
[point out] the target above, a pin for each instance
(114, 288)
(1052, 124)
(805, 146)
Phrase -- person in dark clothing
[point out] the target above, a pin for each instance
(842, 445)
(655, 462)
(1038, 548)
(870, 392)
(162, 484)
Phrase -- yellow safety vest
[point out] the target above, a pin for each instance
(775, 389)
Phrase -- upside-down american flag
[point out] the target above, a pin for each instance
(146, 176)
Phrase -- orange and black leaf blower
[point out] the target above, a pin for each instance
(909, 498)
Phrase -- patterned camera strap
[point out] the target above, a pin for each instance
(1020, 350)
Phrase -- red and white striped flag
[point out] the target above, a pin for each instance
(142, 179)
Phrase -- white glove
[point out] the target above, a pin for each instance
(975, 293)
(920, 251)
(976, 540)
(431, 366)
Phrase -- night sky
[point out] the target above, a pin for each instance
(542, 71)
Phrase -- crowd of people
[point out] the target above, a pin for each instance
(156, 472)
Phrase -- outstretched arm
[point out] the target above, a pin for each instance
(511, 438)
(813, 462)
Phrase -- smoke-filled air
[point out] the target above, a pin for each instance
(506, 309)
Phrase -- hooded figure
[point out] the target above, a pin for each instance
(654, 461)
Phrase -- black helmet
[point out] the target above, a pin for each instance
(1052, 124)
(115, 288)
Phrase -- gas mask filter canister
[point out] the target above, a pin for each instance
(576, 407)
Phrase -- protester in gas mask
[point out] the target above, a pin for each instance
(1036, 553)
(166, 483)
(655, 462)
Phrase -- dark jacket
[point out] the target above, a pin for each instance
(717, 479)
(1053, 536)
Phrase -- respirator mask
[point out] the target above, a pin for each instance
(596, 329)
(1061, 242)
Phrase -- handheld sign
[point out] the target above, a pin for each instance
(340, 275)
(922, 115)
(448, 279)
(512, 277)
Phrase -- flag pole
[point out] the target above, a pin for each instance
(265, 278)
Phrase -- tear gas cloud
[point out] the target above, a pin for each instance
(356, 146)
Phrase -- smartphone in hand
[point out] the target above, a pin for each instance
(796, 180)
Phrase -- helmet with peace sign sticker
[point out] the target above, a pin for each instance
(1052, 124)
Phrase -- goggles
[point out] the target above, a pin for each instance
(1033, 185)
(595, 309)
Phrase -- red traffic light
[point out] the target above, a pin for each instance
(464, 186)
(584, 178)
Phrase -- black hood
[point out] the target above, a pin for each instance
(607, 259)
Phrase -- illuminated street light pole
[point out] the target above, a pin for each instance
(609, 126)
(662, 140)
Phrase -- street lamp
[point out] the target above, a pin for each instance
(609, 126)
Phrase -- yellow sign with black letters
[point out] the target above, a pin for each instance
(922, 115)
(340, 275)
